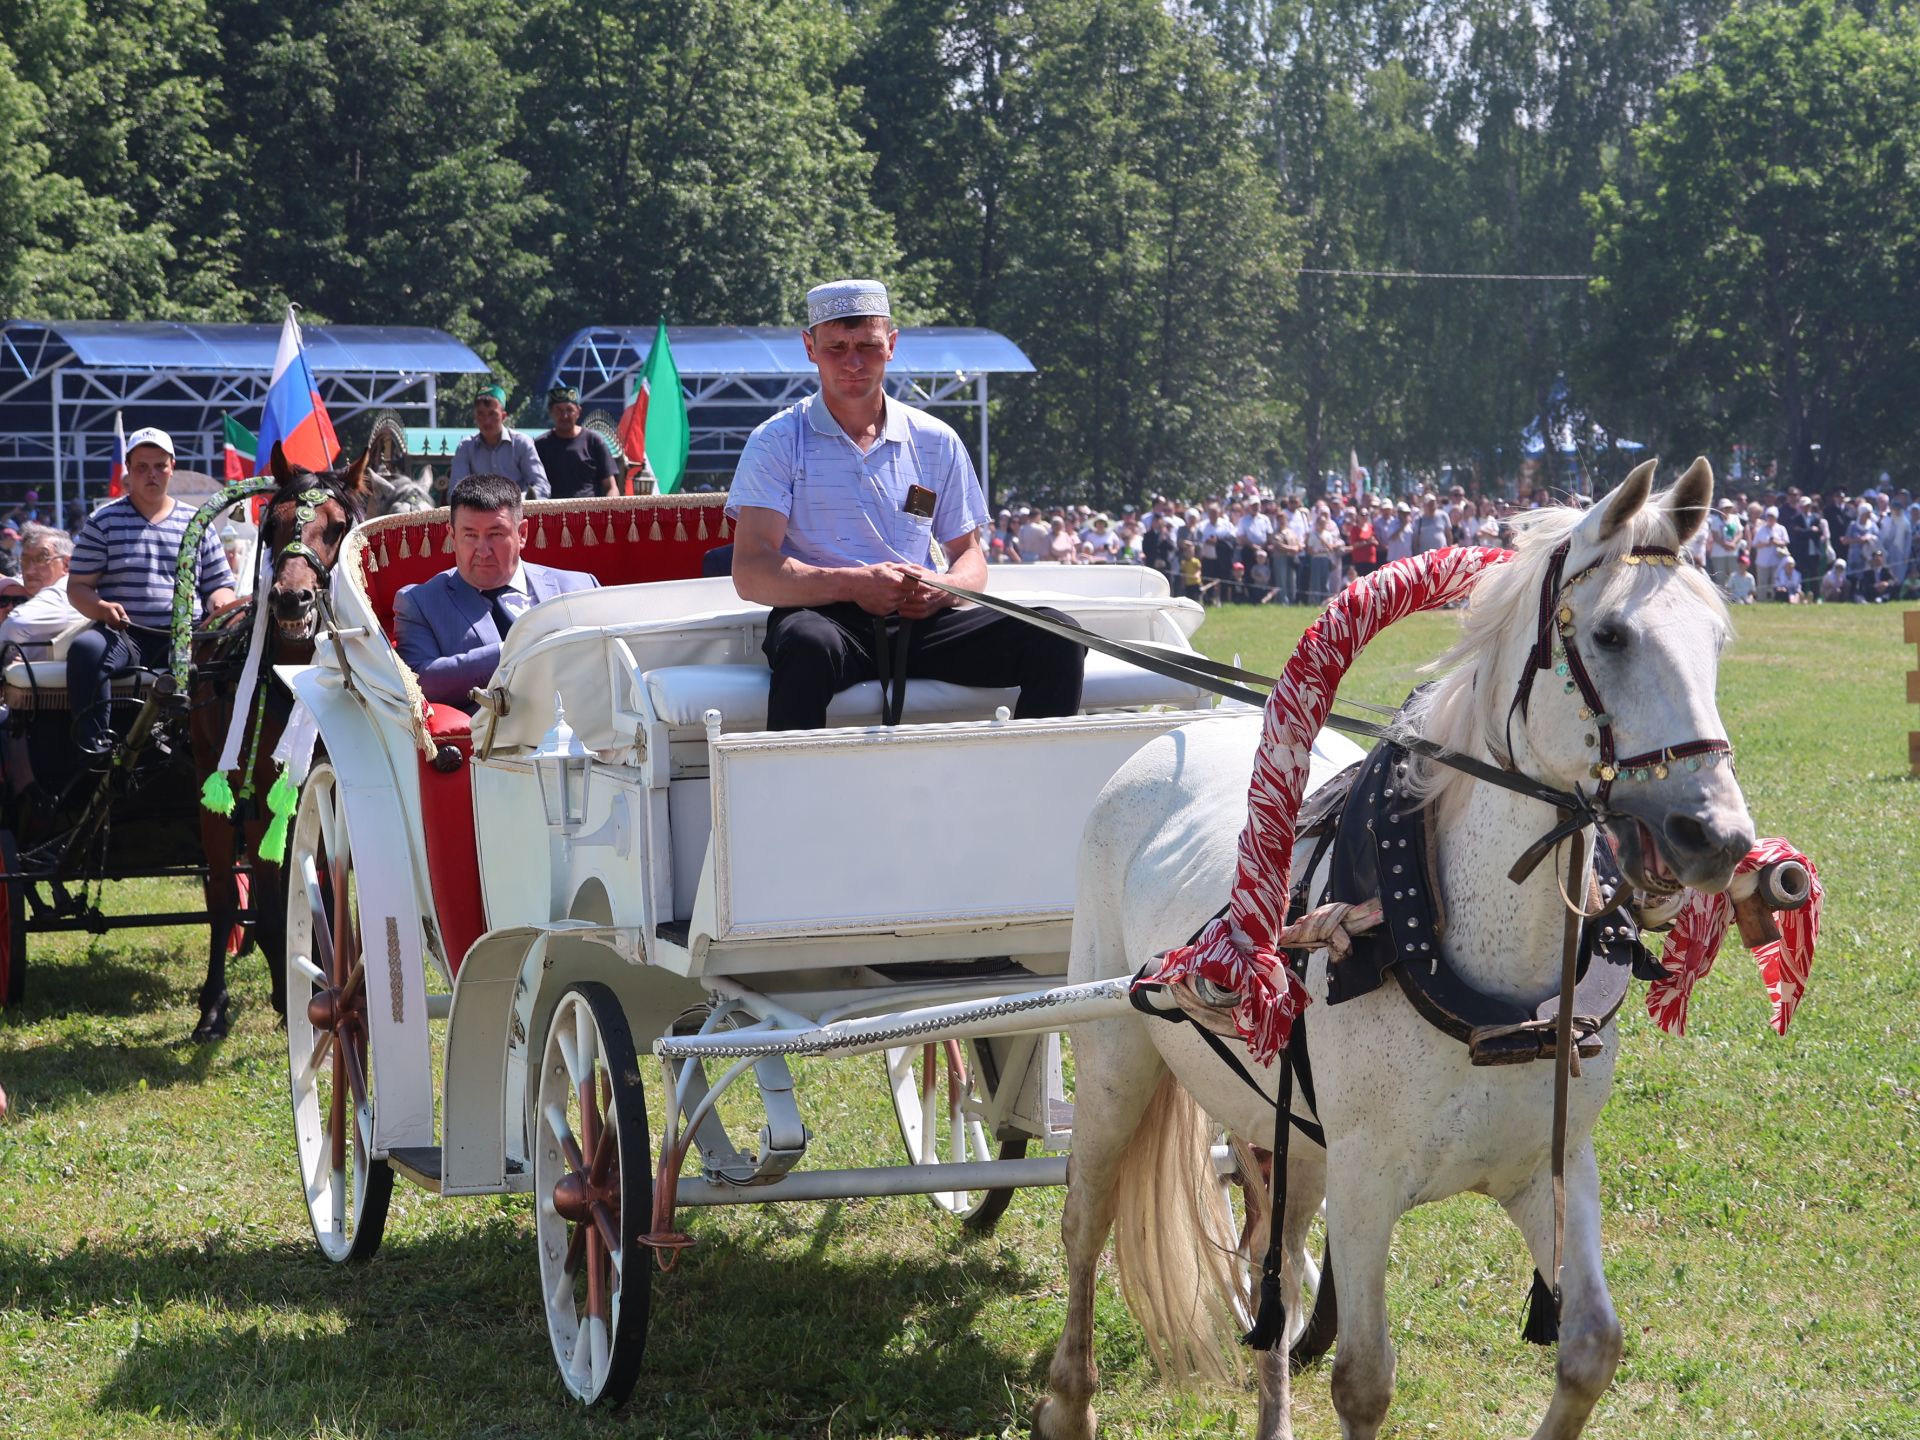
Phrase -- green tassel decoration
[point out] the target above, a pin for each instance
(217, 793)
(281, 801)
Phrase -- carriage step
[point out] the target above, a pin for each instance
(675, 932)
(1060, 1116)
(421, 1165)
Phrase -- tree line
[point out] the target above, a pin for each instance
(1162, 201)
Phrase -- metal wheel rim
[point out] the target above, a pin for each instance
(583, 1277)
(941, 1123)
(333, 1126)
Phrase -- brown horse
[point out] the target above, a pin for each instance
(302, 528)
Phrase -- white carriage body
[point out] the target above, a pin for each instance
(715, 856)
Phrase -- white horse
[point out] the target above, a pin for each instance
(1408, 1119)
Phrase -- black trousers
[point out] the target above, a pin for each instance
(92, 659)
(817, 653)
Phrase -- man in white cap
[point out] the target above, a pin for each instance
(838, 502)
(122, 574)
(1769, 545)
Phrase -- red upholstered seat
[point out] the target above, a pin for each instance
(453, 853)
(632, 542)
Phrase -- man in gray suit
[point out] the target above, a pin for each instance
(450, 627)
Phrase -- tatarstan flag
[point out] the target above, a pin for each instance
(241, 447)
(654, 432)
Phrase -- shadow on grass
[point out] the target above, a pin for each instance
(100, 982)
(78, 1071)
(445, 1334)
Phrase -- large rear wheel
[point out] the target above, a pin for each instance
(593, 1182)
(329, 1057)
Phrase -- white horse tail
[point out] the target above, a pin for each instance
(1174, 1242)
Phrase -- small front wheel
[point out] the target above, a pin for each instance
(593, 1183)
(937, 1102)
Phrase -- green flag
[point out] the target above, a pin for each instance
(668, 434)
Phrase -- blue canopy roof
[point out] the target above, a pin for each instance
(702, 350)
(177, 345)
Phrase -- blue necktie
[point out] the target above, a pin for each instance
(502, 617)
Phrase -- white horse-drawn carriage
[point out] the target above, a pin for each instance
(490, 917)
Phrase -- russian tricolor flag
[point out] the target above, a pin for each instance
(117, 472)
(294, 416)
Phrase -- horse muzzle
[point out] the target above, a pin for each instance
(295, 612)
(1694, 843)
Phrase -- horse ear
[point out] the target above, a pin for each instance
(355, 480)
(282, 472)
(1688, 501)
(1604, 521)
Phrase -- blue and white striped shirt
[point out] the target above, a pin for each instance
(843, 508)
(134, 560)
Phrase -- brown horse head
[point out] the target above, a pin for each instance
(305, 524)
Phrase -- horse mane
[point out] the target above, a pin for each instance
(1466, 708)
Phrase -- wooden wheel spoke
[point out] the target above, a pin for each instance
(557, 1122)
(596, 1277)
(576, 1249)
(317, 909)
(337, 1109)
(355, 1067)
(604, 1223)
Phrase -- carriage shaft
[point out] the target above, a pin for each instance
(880, 1180)
(1029, 1012)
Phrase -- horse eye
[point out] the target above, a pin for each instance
(1609, 636)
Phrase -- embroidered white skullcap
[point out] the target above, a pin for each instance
(839, 299)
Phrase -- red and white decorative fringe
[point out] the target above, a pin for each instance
(1694, 942)
(1238, 950)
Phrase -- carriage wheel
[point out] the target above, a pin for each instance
(937, 1102)
(13, 926)
(593, 1176)
(328, 1051)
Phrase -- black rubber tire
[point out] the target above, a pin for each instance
(13, 928)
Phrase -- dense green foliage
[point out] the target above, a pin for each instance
(1138, 192)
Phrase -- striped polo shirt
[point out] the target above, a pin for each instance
(135, 560)
(843, 508)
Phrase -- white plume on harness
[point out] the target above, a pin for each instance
(242, 715)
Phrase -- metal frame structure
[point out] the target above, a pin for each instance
(62, 382)
(734, 377)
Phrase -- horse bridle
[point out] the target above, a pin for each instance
(1553, 648)
(306, 506)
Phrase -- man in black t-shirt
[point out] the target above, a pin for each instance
(578, 462)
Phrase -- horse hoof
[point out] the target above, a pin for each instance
(214, 1021)
(1054, 1420)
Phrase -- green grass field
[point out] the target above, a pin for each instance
(1762, 1220)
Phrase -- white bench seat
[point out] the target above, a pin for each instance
(42, 685)
(682, 694)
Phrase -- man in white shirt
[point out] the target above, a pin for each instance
(1769, 544)
(42, 611)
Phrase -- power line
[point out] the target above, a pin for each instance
(1426, 275)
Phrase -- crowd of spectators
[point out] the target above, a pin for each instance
(1252, 546)
(1800, 549)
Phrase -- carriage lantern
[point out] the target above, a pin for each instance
(561, 766)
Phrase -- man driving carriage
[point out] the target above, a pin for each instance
(122, 577)
(836, 503)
